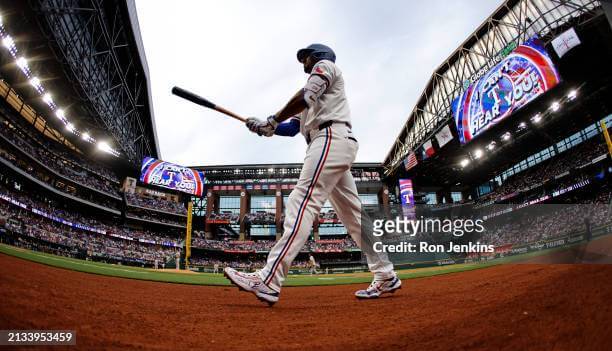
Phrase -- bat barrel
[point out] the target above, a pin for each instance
(187, 95)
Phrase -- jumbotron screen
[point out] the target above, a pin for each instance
(171, 176)
(526, 73)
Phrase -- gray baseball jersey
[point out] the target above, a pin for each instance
(332, 105)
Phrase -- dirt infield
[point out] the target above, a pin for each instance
(561, 307)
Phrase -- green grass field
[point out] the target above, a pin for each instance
(188, 277)
(171, 276)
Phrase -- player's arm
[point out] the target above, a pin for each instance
(295, 106)
(304, 98)
(315, 87)
(273, 124)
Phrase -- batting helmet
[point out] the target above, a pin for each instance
(319, 51)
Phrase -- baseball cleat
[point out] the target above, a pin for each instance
(252, 282)
(379, 287)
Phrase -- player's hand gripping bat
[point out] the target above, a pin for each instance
(187, 95)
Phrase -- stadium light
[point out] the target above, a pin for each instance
(35, 82)
(537, 118)
(555, 106)
(522, 125)
(572, 95)
(506, 136)
(478, 153)
(464, 162)
(22, 63)
(103, 145)
(491, 145)
(47, 99)
(270, 170)
(8, 42)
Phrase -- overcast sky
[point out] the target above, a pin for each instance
(241, 55)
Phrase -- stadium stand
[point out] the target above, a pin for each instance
(156, 204)
(51, 222)
(153, 217)
(521, 230)
(60, 161)
(250, 265)
(38, 160)
(224, 216)
(260, 217)
(236, 230)
(557, 166)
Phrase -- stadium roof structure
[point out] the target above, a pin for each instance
(514, 21)
(90, 55)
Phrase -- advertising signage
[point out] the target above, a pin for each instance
(526, 73)
(170, 176)
(406, 192)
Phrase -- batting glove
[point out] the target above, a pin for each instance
(251, 124)
(261, 127)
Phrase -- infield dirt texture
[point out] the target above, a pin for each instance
(513, 307)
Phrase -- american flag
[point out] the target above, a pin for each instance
(410, 161)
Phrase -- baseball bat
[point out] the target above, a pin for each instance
(196, 99)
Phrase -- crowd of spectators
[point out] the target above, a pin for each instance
(548, 169)
(332, 245)
(95, 245)
(232, 245)
(244, 264)
(54, 209)
(22, 137)
(603, 197)
(260, 217)
(248, 265)
(157, 204)
(552, 221)
(168, 206)
(519, 229)
(224, 216)
(143, 215)
(29, 132)
(329, 216)
(42, 174)
(324, 245)
(62, 162)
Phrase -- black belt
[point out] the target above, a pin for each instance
(329, 124)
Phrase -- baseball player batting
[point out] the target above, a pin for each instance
(320, 111)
